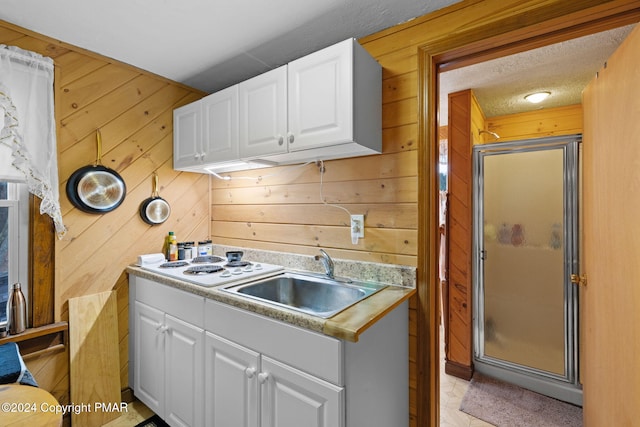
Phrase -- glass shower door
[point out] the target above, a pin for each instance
(525, 305)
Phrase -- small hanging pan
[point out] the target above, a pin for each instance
(96, 188)
(154, 210)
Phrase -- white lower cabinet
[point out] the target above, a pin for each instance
(167, 351)
(292, 398)
(199, 362)
(231, 378)
(247, 389)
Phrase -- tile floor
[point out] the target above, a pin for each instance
(137, 413)
(452, 391)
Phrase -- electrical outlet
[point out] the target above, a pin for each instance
(357, 225)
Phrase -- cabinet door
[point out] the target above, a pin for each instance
(187, 135)
(184, 370)
(149, 359)
(220, 126)
(292, 398)
(231, 392)
(263, 114)
(320, 101)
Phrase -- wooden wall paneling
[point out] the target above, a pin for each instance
(537, 124)
(75, 65)
(388, 190)
(8, 35)
(400, 215)
(400, 138)
(92, 87)
(134, 110)
(116, 131)
(81, 121)
(51, 371)
(120, 241)
(462, 132)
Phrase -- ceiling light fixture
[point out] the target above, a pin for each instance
(537, 97)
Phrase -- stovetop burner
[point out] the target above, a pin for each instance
(174, 264)
(203, 269)
(206, 259)
(237, 264)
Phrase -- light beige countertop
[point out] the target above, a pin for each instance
(346, 325)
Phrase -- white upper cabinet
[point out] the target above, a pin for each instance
(220, 126)
(187, 136)
(206, 131)
(321, 98)
(263, 114)
(323, 106)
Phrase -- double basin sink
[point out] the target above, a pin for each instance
(318, 296)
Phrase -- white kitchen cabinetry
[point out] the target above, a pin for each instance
(243, 387)
(168, 361)
(263, 114)
(325, 105)
(291, 398)
(201, 362)
(187, 136)
(334, 99)
(206, 131)
(246, 385)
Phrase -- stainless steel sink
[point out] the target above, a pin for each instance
(322, 297)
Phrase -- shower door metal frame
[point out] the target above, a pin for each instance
(565, 387)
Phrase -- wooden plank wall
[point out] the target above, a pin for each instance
(133, 109)
(537, 124)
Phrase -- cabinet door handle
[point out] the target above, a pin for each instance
(291, 138)
(162, 328)
(202, 156)
(263, 377)
(250, 372)
(280, 140)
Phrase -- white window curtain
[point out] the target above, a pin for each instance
(28, 150)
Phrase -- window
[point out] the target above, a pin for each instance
(14, 244)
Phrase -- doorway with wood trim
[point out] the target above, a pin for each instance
(434, 59)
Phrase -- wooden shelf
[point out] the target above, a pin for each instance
(37, 341)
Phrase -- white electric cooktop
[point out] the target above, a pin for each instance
(212, 271)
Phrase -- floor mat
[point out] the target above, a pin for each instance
(507, 405)
(154, 421)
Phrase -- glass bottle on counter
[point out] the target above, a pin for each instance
(173, 247)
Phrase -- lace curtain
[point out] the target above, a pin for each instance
(28, 150)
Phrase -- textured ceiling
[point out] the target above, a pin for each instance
(210, 44)
(564, 69)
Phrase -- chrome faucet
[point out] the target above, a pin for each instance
(327, 262)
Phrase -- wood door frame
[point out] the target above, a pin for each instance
(550, 24)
